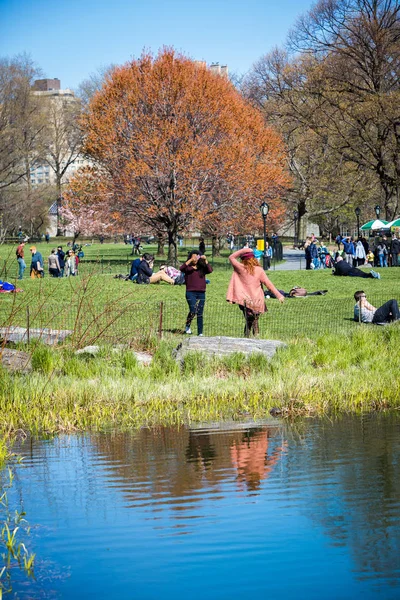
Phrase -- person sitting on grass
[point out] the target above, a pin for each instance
(175, 274)
(145, 272)
(344, 269)
(386, 313)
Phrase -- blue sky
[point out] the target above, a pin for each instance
(70, 39)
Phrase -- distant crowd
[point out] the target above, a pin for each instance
(378, 252)
(59, 263)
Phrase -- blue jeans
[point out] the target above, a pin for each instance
(196, 301)
(21, 267)
(382, 260)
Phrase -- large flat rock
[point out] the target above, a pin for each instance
(221, 346)
(15, 360)
(21, 334)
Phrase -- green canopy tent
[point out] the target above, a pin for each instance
(395, 223)
(374, 225)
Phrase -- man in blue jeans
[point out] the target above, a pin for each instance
(20, 260)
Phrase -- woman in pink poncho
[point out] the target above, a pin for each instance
(245, 288)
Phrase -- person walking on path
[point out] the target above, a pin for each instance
(20, 259)
(245, 288)
(195, 270)
(37, 271)
(366, 313)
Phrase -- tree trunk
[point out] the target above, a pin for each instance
(172, 249)
(215, 246)
(59, 196)
(160, 245)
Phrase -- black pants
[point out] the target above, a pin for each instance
(387, 312)
(354, 272)
(395, 258)
(251, 321)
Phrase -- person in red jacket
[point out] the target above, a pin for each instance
(195, 269)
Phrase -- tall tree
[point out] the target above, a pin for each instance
(62, 136)
(354, 49)
(21, 120)
(340, 89)
(166, 132)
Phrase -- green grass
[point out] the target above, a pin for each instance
(112, 390)
(330, 363)
(99, 308)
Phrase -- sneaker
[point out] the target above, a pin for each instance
(200, 335)
(375, 274)
(188, 330)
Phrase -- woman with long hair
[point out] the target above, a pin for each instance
(245, 288)
(195, 270)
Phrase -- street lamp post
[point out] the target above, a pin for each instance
(295, 217)
(358, 212)
(264, 209)
(377, 211)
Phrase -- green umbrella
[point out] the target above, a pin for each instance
(395, 223)
(375, 224)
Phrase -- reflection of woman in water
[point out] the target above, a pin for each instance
(250, 458)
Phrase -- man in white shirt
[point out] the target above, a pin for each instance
(366, 313)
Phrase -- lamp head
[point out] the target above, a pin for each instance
(264, 209)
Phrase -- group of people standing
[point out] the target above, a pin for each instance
(381, 252)
(316, 254)
(60, 264)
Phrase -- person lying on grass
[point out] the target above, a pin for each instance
(343, 268)
(386, 313)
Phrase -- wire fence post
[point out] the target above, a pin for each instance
(160, 322)
(28, 333)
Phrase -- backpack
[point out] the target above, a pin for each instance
(7, 287)
(297, 292)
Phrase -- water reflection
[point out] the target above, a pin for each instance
(257, 497)
(250, 458)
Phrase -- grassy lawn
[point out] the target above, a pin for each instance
(99, 307)
(330, 363)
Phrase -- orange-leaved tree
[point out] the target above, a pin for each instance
(167, 132)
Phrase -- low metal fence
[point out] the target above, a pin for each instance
(83, 323)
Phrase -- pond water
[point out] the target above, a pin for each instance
(233, 510)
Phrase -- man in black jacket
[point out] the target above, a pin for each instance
(394, 251)
(343, 268)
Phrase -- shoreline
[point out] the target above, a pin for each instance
(66, 392)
